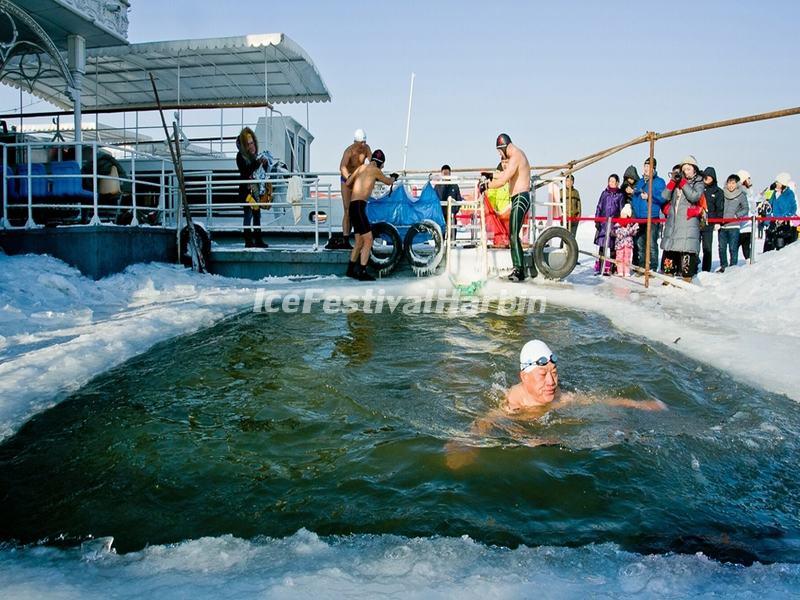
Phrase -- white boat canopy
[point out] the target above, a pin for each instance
(251, 70)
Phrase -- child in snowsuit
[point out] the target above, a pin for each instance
(624, 234)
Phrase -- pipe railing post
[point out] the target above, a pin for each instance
(30, 223)
(208, 201)
(95, 220)
(161, 199)
(753, 225)
(316, 219)
(135, 219)
(5, 224)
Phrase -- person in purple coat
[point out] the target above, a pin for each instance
(610, 204)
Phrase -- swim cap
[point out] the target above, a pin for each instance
(503, 140)
(535, 354)
(379, 157)
(360, 136)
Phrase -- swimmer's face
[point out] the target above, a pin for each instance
(251, 144)
(541, 383)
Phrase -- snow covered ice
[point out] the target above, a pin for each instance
(59, 329)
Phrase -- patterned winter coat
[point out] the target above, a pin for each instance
(681, 231)
(624, 235)
(610, 203)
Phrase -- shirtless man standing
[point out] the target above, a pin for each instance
(354, 156)
(517, 174)
(362, 181)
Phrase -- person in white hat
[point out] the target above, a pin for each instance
(537, 393)
(355, 155)
(746, 228)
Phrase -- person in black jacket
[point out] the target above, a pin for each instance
(447, 190)
(715, 199)
(248, 161)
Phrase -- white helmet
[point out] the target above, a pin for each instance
(360, 136)
(783, 179)
(743, 175)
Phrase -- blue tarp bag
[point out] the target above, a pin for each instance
(402, 211)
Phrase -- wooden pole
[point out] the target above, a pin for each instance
(651, 135)
(198, 263)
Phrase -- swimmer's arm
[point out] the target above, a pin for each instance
(351, 179)
(383, 178)
(637, 404)
(343, 164)
(487, 422)
(503, 177)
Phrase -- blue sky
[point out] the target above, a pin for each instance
(563, 79)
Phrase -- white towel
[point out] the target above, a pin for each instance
(294, 195)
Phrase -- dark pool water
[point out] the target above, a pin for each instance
(265, 424)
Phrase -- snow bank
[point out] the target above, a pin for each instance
(307, 566)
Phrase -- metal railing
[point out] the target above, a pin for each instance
(34, 194)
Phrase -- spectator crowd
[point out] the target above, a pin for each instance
(690, 211)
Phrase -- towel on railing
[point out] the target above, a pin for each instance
(294, 195)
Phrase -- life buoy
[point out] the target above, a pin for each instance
(555, 263)
(427, 262)
(202, 238)
(387, 248)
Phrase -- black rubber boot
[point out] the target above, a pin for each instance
(517, 275)
(363, 275)
(351, 269)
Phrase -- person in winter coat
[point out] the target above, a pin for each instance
(639, 205)
(715, 201)
(681, 241)
(784, 204)
(746, 227)
(247, 161)
(624, 234)
(609, 205)
(629, 179)
(735, 207)
(573, 204)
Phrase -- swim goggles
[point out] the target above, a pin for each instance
(539, 362)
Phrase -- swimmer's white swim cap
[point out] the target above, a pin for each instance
(535, 353)
(360, 136)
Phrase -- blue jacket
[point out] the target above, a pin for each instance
(786, 205)
(640, 205)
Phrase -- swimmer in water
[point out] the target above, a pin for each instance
(536, 394)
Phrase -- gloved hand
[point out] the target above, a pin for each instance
(395, 176)
(487, 175)
(671, 185)
(717, 227)
(483, 185)
(682, 183)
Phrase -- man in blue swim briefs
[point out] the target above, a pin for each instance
(517, 174)
(355, 155)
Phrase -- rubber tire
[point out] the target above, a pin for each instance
(205, 245)
(417, 262)
(385, 266)
(568, 243)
